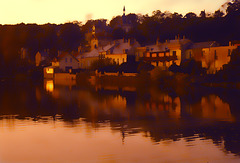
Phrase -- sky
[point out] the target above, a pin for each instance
(62, 11)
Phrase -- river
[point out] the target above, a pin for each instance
(66, 121)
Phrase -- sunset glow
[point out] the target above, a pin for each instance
(61, 11)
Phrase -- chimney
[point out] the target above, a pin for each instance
(184, 37)
(58, 53)
(157, 41)
(129, 42)
(176, 37)
(230, 43)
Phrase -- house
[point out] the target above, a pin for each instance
(164, 54)
(215, 57)
(41, 56)
(48, 72)
(68, 61)
(86, 59)
(177, 47)
(195, 50)
(121, 50)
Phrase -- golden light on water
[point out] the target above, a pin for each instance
(49, 85)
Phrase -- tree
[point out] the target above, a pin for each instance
(190, 15)
(70, 36)
(116, 22)
(218, 14)
(203, 14)
(233, 7)
(118, 33)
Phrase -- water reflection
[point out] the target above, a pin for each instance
(123, 121)
(57, 141)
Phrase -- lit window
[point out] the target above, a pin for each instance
(49, 71)
(161, 54)
(154, 55)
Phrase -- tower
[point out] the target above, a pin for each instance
(124, 16)
(94, 40)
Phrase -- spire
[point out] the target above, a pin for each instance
(124, 16)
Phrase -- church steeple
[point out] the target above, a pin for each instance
(124, 16)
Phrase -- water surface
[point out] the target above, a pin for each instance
(71, 122)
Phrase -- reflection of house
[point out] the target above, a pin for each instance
(24, 54)
(164, 54)
(41, 56)
(68, 61)
(211, 107)
(215, 57)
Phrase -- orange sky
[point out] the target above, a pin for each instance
(61, 11)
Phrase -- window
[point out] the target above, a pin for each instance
(49, 71)
(229, 52)
(66, 60)
(189, 55)
(154, 55)
(174, 53)
(161, 54)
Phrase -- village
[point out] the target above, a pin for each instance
(126, 56)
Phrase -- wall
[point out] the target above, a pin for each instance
(63, 64)
(61, 76)
(85, 63)
(215, 57)
(48, 72)
(118, 58)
